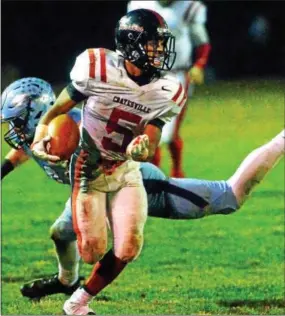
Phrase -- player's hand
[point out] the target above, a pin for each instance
(40, 150)
(138, 148)
(197, 75)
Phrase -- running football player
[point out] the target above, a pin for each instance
(124, 111)
(167, 197)
(186, 20)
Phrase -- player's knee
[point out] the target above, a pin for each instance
(55, 231)
(92, 251)
(131, 249)
(91, 258)
(62, 231)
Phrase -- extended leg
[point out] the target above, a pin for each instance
(255, 166)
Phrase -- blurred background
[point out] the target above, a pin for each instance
(42, 38)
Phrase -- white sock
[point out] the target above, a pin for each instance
(81, 297)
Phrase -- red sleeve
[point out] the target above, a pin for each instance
(202, 55)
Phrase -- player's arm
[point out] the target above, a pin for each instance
(200, 38)
(67, 99)
(13, 159)
(74, 93)
(202, 44)
(153, 131)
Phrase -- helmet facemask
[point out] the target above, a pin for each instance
(161, 52)
(18, 133)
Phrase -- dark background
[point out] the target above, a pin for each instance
(42, 38)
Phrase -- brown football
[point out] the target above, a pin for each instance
(65, 136)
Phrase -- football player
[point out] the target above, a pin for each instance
(23, 103)
(186, 20)
(167, 197)
(127, 99)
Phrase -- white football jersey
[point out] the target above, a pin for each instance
(178, 15)
(117, 108)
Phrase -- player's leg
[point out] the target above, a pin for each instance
(255, 166)
(176, 142)
(170, 136)
(88, 211)
(194, 198)
(66, 247)
(89, 224)
(127, 222)
(66, 280)
(89, 220)
(127, 219)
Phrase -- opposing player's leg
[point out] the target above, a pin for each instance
(65, 242)
(255, 166)
(194, 198)
(66, 280)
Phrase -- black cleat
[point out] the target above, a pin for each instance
(39, 288)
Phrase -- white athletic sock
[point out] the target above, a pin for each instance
(81, 297)
(255, 166)
(68, 262)
(77, 304)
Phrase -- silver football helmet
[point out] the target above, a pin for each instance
(23, 103)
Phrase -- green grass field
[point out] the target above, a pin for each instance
(217, 265)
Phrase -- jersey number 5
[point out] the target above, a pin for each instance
(113, 126)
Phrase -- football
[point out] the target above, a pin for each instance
(64, 134)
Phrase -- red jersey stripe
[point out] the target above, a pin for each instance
(178, 93)
(184, 97)
(103, 64)
(92, 63)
